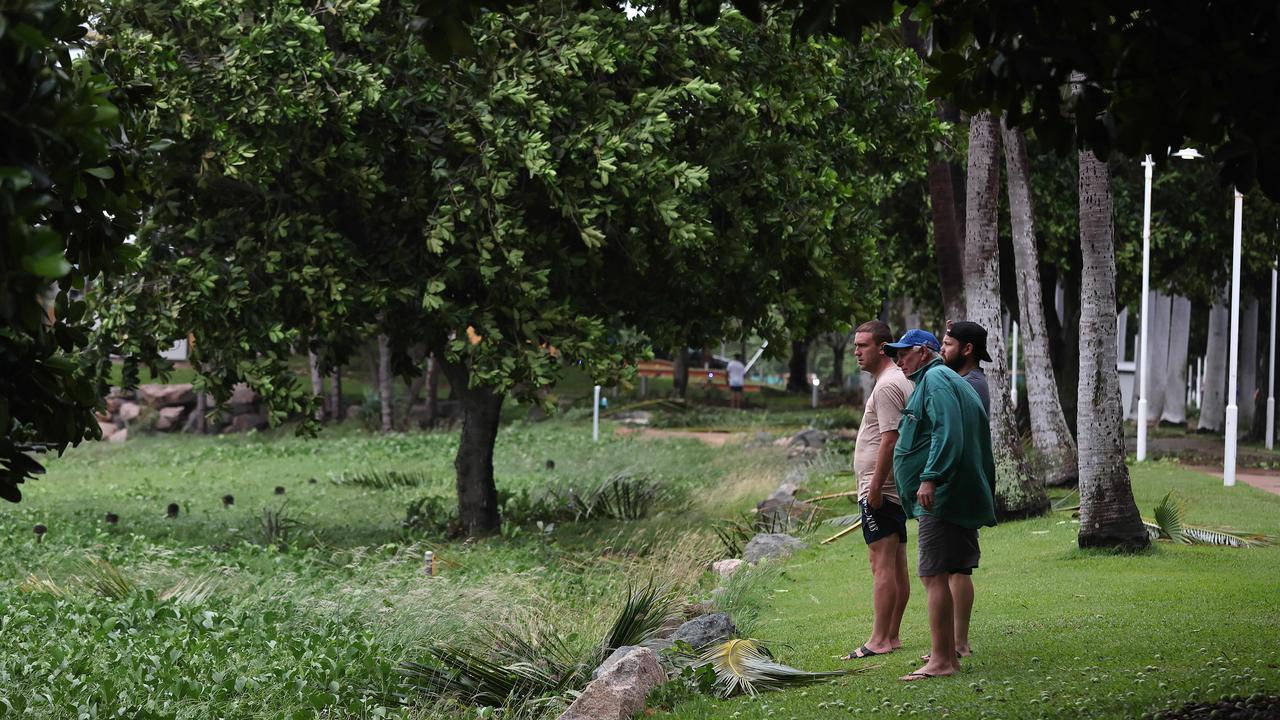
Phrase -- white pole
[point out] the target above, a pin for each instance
(815, 393)
(755, 357)
(1271, 379)
(1229, 453)
(1143, 367)
(1013, 369)
(1199, 381)
(595, 416)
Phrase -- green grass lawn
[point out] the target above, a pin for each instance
(314, 627)
(1057, 632)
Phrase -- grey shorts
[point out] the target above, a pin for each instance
(946, 548)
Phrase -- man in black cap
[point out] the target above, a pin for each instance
(964, 345)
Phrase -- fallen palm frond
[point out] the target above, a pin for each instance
(621, 497)
(845, 520)
(191, 590)
(832, 496)
(452, 671)
(106, 580)
(46, 584)
(744, 665)
(857, 524)
(1169, 524)
(1070, 501)
(382, 479)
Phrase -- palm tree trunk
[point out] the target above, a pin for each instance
(386, 385)
(1108, 515)
(473, 465)
(1175, 386)
(317, 384)
(1050, 437)
(1161, 307)
(1018, 492)
(1213, 406)
(433, 391)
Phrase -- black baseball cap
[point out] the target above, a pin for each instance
(973, 333)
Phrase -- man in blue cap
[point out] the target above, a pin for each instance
(945, 474)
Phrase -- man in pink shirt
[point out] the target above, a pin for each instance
(884, 523)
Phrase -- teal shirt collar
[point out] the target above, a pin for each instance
(919, 374)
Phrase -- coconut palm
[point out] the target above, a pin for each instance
(1050, 435)
(1108, 515)
(1018, 492)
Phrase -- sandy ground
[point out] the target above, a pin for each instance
(715, 439)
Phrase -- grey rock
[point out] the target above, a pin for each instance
(119, 436)
(706, 630)
(353, 411)
(130, 411)
(108, 429)
(170, 418)
(808, 438)
(245, 423)
(614, 658)
(620, 691)
(162, 396)
(726, 568)
(771, 545)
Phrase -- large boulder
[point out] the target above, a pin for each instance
(771, 545)
(129, 411)
(620, 690)
(243, 400)
(808, 438)
(162, 396)
(245, 423)
(119, 436)
(108, 429)
(614, 658)
(170, 418)
(706, 630)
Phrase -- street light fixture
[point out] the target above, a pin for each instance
(1148, 165)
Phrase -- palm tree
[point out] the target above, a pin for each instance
(1175, 386)
(1213, 406)
(1108, 515)
(1050, 436)
(1018, 492)
(386, 391)
(317, 383)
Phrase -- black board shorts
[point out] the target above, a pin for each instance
(946, 548)
(889, 519)
(735, 388)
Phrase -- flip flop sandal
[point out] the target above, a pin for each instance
(914, 676)
(862, 653)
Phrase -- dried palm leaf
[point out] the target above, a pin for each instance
(744, 665)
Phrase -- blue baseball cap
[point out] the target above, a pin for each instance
(913, 338)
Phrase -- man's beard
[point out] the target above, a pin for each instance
(955, 363)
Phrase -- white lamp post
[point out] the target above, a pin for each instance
(1147, 164)
(1271, 379)
(816, 383)
(1013, 369)
(595, 416)
(1229, 453)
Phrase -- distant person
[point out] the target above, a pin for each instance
(945, 476)
(964, 345)
(884, 523)
(736, 373)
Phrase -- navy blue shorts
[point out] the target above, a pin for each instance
(889, 520)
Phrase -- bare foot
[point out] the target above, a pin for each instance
(930, 671)
(895, 643)
(959, 654)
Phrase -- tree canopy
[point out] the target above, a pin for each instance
(65, 211)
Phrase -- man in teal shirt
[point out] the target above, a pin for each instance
(945, 474)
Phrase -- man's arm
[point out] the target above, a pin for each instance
(884, 463)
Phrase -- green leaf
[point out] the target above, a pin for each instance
(103, 172)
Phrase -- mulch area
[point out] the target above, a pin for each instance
(1238, 707)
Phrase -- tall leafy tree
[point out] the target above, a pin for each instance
(65, 211)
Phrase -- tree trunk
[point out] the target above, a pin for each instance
(839, 342)
(335, 394)
(386, 384)
(317, 384)
(1247, 401)
(418, 354)
(433, 391)
(1052, 440)
(477, 492)
(1018, 492)
(798, 367)
(1069, 379)
(1213, 406)
(1108, 515)
(1175, 385)
(680, 372)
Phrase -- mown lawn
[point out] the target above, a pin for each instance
(1057, 632)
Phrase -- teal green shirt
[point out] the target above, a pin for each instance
(945, 436)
